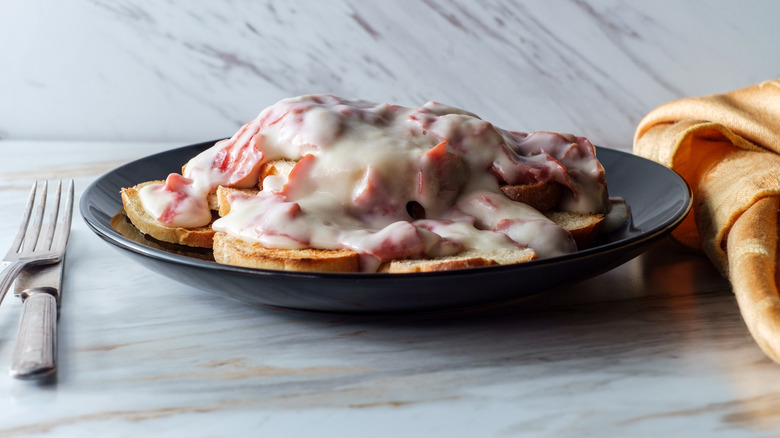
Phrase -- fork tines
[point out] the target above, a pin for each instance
(32, 246)
(32, 237)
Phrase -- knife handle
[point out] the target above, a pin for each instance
(36, 348)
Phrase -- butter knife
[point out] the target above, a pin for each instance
(35, 355)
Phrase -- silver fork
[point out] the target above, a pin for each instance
(34, 245)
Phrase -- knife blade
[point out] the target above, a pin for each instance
(35, 355)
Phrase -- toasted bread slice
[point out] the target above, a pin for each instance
(274, 168)
(201, 237)
(466, 259)
(232, 251)
(583, 227)
(541, 196)
(221, 196)
(545, 197)
(212, 200)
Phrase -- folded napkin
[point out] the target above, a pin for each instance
(727, 147)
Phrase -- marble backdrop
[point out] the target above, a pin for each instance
(188, 71)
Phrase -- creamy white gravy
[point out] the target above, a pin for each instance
(386, 181)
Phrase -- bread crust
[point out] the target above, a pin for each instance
(222, 201)
(232, 251)
(201, 237)
(464, 260)
(583, 227)
(542, 196)
(273, 168)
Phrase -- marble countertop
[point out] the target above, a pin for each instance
(651, 347)
(655, 347)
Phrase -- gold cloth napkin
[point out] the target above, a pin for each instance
(727, 147)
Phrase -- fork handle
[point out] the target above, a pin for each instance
(7, 277)
(36, 349)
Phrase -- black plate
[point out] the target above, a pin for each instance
(658, 197)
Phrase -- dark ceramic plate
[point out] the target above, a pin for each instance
(659, 200)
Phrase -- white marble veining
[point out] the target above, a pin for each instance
(189, 71)
(655, 347)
